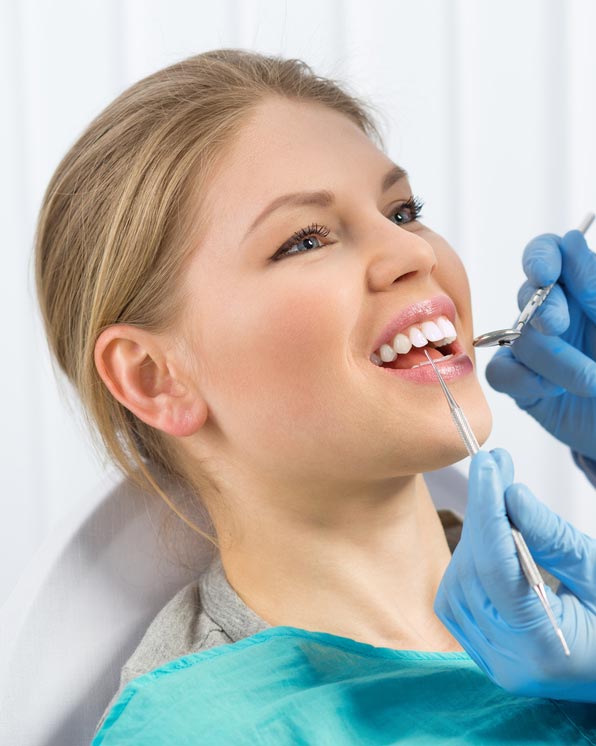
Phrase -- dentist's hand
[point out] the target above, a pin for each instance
(486, 602)
(550, 370)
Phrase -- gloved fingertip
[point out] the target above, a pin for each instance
(505, 462)
(541, 259)
(516, 495)
(500, 454)
(541, 272)
(485, 487)
(573, 240)
(527, 512)
(497, 369)
(484, 462)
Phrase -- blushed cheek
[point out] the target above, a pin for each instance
(275, 367)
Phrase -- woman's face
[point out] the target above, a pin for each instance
(281, 347)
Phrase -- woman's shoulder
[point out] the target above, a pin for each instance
(181, 627)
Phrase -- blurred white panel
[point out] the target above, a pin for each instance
(311, 31)
(21, 443)
(58, 72)
(580, 108)
(398, 57)
(159, 33)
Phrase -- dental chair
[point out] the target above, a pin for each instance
(87, 596)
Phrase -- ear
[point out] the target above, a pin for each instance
(137, 370)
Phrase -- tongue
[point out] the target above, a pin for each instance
(414, 357)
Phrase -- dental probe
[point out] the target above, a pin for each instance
(506, 337)
(526, 560)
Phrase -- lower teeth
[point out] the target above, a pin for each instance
(427, 362)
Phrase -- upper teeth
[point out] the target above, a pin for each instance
(439, 331)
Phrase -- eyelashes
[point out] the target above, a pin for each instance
(415, 205)
(313, 230)
(412, 206)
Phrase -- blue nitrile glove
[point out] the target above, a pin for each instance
(486, 602)
(550, 370)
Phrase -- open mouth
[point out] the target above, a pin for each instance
(416, 358)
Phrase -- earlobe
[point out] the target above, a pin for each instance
(129, 369)
(185, 418)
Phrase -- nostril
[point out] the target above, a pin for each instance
(408, 274)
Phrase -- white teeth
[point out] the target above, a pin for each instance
(437, 332)
(417, 337)
(402, 344)
(431, 331)
(388, 354)
(446, 327)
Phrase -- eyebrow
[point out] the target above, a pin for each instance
(323, 198)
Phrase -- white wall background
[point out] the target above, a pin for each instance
(489, 106)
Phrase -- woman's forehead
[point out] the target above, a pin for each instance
(286, 140)
(289, 147)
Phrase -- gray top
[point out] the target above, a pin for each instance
(208, 612)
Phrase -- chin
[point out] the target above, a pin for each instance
(450, 448)
(480, 417)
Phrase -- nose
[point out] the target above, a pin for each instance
(397, 252)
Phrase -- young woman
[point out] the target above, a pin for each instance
(224, 261)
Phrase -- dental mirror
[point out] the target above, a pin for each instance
(501, 337)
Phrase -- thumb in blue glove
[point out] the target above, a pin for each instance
(485, 600)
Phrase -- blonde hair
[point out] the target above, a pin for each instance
(113, 232)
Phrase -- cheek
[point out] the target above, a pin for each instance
(278, 359)
(452, 277)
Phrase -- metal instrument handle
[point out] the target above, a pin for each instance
(532, 306)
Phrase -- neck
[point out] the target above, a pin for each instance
(368, 570)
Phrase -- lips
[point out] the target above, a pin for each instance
(414, 314)
(455, 367)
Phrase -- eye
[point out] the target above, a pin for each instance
(409, 211)
(304, 236)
